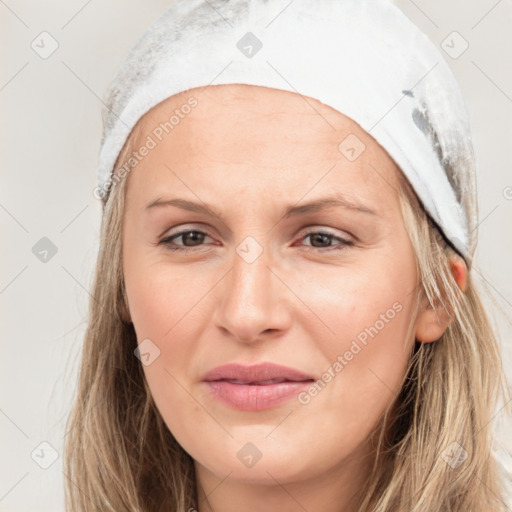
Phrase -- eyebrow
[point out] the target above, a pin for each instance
(337, 200)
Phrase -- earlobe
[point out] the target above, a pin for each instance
(432, 321)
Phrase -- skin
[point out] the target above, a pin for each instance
(250, 152)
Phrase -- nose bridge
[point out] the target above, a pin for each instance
(252, 303)
(251, 275)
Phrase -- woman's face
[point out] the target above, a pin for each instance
(275, 276)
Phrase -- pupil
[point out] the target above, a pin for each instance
(321, 235)
(192, 235)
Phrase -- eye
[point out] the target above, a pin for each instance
(322, 238)
(192, 239)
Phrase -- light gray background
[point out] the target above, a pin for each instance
(50, 133)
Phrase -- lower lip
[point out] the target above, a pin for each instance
(254, 397)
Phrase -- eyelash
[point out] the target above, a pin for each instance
(168, 241)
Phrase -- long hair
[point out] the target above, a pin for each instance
(436, 439)
(434, 442)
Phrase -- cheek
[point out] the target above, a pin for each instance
(364, 339)
(162, 301)
(167, 312)
(357, 307)
(162, 311)
(371, 359)
(165, 308)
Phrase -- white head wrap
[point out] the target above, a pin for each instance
(364, 58)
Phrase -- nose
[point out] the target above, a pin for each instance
(253, 302)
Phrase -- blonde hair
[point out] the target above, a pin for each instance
(446, 405)
(120, 456)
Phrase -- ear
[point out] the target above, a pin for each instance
(459, 270)
(432, 320)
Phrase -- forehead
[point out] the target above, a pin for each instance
(267, 140)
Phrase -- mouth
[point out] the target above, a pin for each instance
(256, 396)
(257, 387)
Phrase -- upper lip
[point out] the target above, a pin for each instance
(255, 373)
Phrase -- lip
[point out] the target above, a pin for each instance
(256, 387)
(255, 373)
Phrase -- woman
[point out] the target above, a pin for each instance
(284, 316)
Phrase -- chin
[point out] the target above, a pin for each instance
(246, 465)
